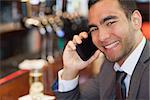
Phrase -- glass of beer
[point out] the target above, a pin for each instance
(36, 84)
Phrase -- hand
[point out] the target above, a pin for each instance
(71, 60)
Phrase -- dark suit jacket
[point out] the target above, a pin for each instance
(102, 86)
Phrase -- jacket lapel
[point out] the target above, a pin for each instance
(138, 72)
(107, 79)
(135, 81)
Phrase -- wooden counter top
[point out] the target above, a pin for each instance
(16, 84)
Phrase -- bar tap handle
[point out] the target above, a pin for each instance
(50, 43)
(43, 42)
(51, 39)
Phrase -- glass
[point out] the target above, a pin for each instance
(36, 84)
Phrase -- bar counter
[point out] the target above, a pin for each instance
(16, 84)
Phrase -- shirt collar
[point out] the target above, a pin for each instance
(129, 65)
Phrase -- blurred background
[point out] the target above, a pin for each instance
(39, 29)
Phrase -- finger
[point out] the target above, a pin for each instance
(96, 54)
(71, 45)
(83, 35)
(77, 39)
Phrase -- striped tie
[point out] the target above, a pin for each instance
(120, 86)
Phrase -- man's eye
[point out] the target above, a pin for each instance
(110, 23)
(93, 29)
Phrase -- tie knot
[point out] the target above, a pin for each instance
(120, 76)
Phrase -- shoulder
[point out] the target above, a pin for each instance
(145, 56)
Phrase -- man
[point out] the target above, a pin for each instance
(115, 27)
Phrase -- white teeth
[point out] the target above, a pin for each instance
(111, 45)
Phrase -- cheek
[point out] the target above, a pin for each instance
(119, 31)
(95, 39)
(124, 35)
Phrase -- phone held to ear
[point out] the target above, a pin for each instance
(86, 49)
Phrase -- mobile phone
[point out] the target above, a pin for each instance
(86, 49)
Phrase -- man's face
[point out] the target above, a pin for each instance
(111, 31)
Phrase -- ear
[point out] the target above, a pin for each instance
(136, 19)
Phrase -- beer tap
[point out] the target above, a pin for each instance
(36, 22)
(50, 42)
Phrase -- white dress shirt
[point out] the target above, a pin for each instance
(128, 66)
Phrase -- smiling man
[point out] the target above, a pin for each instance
(115, 27)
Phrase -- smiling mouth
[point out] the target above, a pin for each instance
(112, 45)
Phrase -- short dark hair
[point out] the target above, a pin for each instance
(129, 6)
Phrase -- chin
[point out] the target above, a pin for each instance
(113, 59)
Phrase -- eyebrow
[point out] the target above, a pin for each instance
(92, 25)
(108, 18)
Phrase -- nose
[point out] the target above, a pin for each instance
(104, 34)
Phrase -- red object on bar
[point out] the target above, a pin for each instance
(13, 75)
